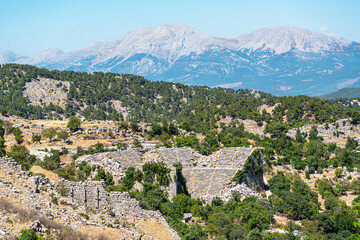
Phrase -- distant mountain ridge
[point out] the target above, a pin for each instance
(343, 93)
(281, 60)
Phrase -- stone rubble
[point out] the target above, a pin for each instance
(343, 126)
(38, 193)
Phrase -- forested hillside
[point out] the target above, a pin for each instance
(94, 96)
(312, 175)
(343, 93)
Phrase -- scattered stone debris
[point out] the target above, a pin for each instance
(84, 205)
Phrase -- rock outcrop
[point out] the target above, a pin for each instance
(43, 91)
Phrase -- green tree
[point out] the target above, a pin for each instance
(299, 138)
(134, 126)
(355, 186)
(74, 123)
(137, 144)
(2, 147)
(8, 126)
(63, 135)
(18, 135)
(276, 129)
(129, 179)
(3, 111)
(338, 172)
(254, 234)
(351, 143)
(279, 183)
(22, 156)
(326, 189)
(173, 130)
(355, 117)
(36, 138)
(196, 232)
(313, 135)
(27, 234)
(49, 133)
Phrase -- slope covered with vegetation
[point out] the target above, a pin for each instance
(318, 209)
(196, 107)
(343, 93)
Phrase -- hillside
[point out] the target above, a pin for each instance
(161, 160)
(39, 93)
(283, 60)
(116, 183)
(343, 93)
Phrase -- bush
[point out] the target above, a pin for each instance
(63, 135)
(74, 123)
(49, 133)
(22, 156)
(18, 135)
(27, 234)
(84, 216)
(36, 138)
(279, 183)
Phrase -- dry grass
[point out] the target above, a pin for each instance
(267, 108)
(65, 159)
(349, 198)
(64, 232)
(154, 229)
(49, 174)
(103, 233)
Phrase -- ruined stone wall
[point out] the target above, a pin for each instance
(92, 195)
(10, 163)
(33, 190)
(207, 176)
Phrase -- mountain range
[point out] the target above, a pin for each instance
(283, 60)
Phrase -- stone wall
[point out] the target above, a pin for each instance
(207, 176)
(33, 191)
(10, 163)
(92, 195)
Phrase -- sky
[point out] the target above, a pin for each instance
(28, 27)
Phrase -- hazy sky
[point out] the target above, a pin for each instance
(28, 27)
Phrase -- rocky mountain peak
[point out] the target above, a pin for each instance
(285, 38)
(9, 56)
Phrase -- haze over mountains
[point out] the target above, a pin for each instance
(281, 60)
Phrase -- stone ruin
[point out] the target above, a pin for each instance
(85, 195)
(207, 177)
(92, 195)
(11, 164)
(326, 131)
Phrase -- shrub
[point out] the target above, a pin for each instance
(74, 123)
(22, 156)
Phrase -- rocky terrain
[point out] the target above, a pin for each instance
(86, 206)
(43, 91)
(337, 132)
(91, 132)
(88, 210)
(80, 207)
